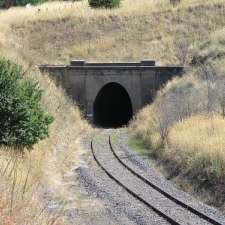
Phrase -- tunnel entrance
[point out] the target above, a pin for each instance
(112, 106)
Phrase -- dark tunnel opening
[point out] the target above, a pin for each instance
(112, 107)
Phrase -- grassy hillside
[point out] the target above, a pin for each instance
(25, 178)
(139, 29)
(57, 32)
(183, 127)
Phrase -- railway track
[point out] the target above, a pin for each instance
(173, 210)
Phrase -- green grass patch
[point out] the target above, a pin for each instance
(140, 147)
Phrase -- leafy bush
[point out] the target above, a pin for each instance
(22, 120)
(25, 2)
(104, 3)
(2, 3)
(9, 3)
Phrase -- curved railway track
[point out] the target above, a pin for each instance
(142, 181)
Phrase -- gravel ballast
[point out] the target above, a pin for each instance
(117, 206)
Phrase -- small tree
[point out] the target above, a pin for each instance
(9, 3)
(104, 3)
(209, 75)
(23, 122)
(162, 120)
(6, 3)
(25, 2)
(175, 2)
(223, 102)
(183, 51)
(220, 92)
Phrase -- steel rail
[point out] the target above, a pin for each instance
(161, 214)
(166, 194)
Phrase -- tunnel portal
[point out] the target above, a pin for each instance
(112, 106)
(122, 88)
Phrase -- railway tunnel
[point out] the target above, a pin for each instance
(112, 106)
(110, 93)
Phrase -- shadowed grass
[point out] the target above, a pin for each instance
(56, 32)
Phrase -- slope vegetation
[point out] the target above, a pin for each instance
(139, 29)
(183, 127)
(56, 32)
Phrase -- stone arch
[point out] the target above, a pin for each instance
(112, 106)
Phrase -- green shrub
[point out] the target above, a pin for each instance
(25, 2)
(23, 122)
(2, 3)
(9, 3)
(104, 3)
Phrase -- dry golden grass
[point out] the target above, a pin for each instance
(194, 152)
(20, 190)
(148, 130)
(55, 32)
(186, 147)
(24, 179)
(137, 30)
(196, 147)
(201, 141)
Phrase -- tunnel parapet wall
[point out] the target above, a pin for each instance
(83, 80)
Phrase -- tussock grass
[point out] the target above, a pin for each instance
(201, 141)
(193, 153)
(184, 137)
(20, 186)
(137, 30)
(198, 149)
(25, 178)
(148, 131)
(55, 32)
(183, 128)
